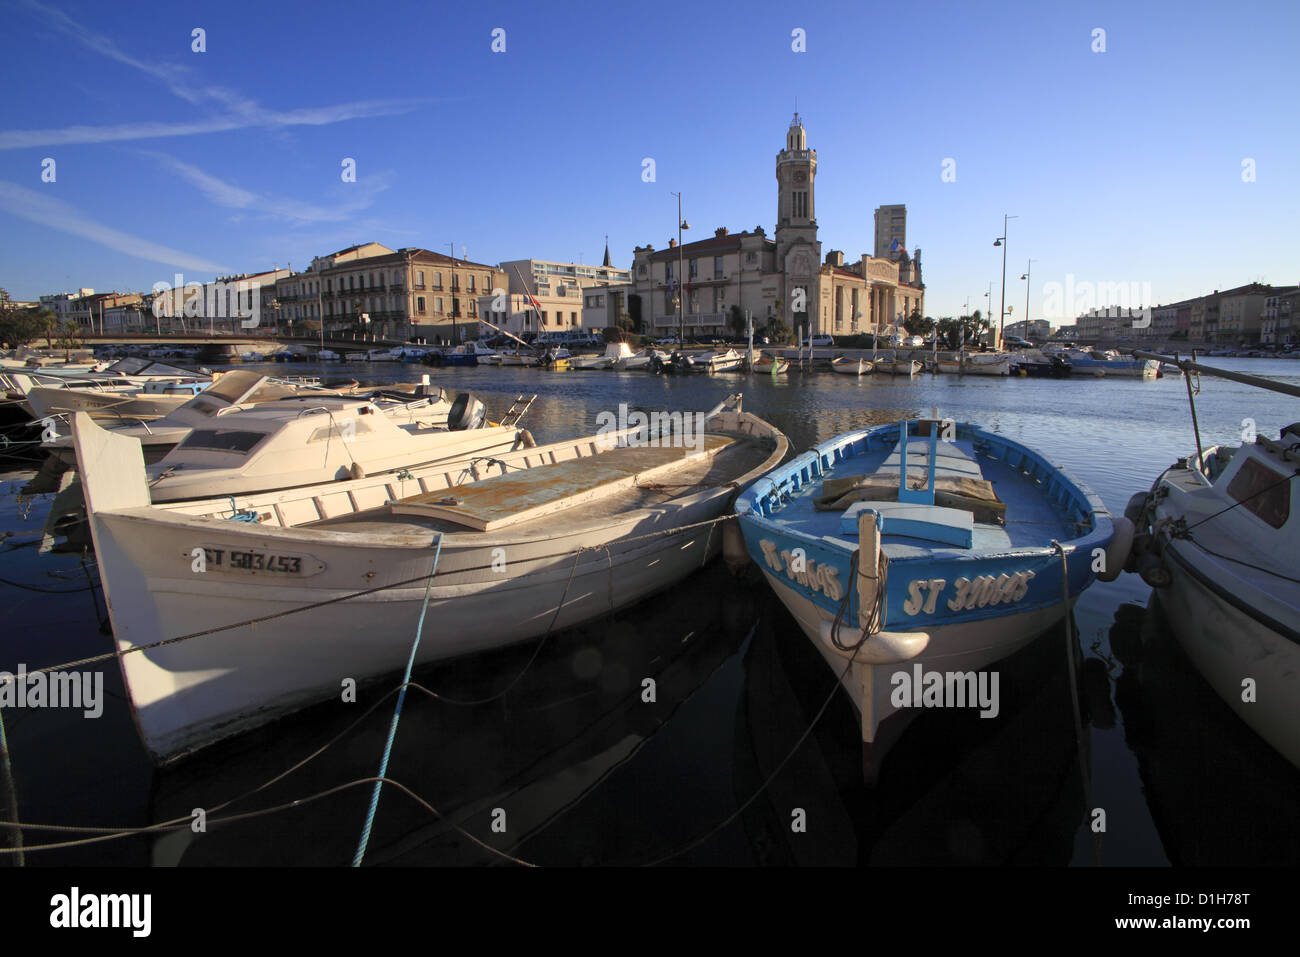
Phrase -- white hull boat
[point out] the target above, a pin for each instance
(729, 361)
(585, 526)
(845, 366)
(642, 360)
(1227, 575)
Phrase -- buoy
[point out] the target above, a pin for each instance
(1118, 550)
(1135, 507)
(734, 552)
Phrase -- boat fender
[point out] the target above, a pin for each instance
(1141, 545)
(734, 552)
(1153, 571)
(1135, 507)
(357, 472)
(1118, 550)
(526, 440)
(882, 648)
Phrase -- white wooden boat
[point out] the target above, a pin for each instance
(519, 359)
(770, 365)
(847, 366)
(899, 554)
(907, 367)
(1219, 535)
(503, 551)
(986, 363)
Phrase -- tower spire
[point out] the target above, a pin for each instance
(606, 263)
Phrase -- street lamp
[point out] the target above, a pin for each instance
(1002, 309)
(681, 260)
(1025, 277)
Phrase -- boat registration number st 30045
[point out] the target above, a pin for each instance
(224, 558)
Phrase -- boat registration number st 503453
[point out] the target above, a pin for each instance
(223, 558)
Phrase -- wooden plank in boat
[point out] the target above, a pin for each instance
(931, 523)
(515, 497)
(950, 459)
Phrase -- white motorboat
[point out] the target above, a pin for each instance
(328, 355)
(500, 551)
(643, 359)
(615, 353)
(728, 361)
(356, 356)
(114, 399)
(899, 554)
(1219, 536)
(309, 440)
(232, 391)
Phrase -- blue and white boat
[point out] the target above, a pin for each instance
(1111, 364)
(983, 547)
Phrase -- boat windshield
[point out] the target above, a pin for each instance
(222, 440)
(1262, 491)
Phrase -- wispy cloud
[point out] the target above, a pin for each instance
(236, 111)
(56, 214)
(353, 198)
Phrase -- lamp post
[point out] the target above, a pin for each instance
(681, 261)
(1002, 309)
(1028, 265)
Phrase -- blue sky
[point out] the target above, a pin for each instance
(1122, 166)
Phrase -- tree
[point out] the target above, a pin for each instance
(18, 326)
(918, 325)
(736, 319)
(777, 330)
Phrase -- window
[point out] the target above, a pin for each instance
(543, 317)
(717, 267)
(668, 272)
(641, 269)
(573, 318)
(695, 268)
(437, 280)
(437, 304)
(419, 304)
(419, 279)
(471, 283)
(751, 257)
(1263, 492)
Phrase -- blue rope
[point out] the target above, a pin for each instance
(397, 713)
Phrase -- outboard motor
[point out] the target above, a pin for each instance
(466, 412)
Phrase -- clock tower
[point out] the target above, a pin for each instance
(798, 253)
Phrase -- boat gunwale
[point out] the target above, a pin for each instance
(756, 503)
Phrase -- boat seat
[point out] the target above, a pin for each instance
(931, 523)
(504, 500)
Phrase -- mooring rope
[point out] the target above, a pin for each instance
(1070, 649)
(397, 712)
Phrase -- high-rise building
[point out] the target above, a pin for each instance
(891, 232)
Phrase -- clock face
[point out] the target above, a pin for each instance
(800, 176)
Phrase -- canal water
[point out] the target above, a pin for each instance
(748, 755)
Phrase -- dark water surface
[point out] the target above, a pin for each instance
(587, 773)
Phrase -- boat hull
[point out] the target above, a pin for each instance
(1227, 645)
(194, 693)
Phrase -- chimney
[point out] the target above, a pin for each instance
(672, 244)
(720, 231)
(835, 258)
